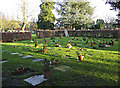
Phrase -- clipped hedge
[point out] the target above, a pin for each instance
(15, 36)
(80, 33)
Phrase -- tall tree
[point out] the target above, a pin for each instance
(75, 13)
(25, 12)
(100, 24)
(46, 18)
(115, 4)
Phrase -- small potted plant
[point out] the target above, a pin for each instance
(92, 43)
(75, 44)
(112, 43)
(87, 41)
(81, 49)
(44, 50)
(69, 45)
(35, 45)
(80, 56)
(14, 46)
(57, 45)
(61, 36)
(106, 42)
(36, 41)
(20, 70)
(56, 61)
(33, 39)
(46, 68)
(45, 41)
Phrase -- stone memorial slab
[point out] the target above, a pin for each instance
(62, 68)
(27, 56)
(3, 61)
(15, 53)
(66, 33)
(8, 51)
(107, 45)
(50, 48)
(89, 54)
(37, 60)
(20, 55)
(90, 47)
(5, 50)
(34, 80)
(54, 54)
(31, 41)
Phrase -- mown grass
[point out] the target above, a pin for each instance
(100, 69)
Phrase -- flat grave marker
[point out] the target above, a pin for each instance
(34, 80)
(37, 60)
(3, 61)
(62, 68)
(27, 56)
(15, 53)
(21, 55)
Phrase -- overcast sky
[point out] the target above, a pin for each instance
(10, 7)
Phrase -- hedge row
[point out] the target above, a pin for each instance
(80, 33)
(15, 36)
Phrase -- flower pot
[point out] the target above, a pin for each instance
(44, 51)
(36, 41)
(91, 43)
(46, 74)
(70, 41)
(74, 38)
(75, 44)
(80, 58)
(81, 49)
(86, 41)
(106, 42)
(45, 41)
(20, 70)
(35, 45)
(56, 61)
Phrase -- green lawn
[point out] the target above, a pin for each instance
(99, 68)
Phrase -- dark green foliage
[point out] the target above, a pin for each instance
(100, 24)
(75, 14)
(46, 17)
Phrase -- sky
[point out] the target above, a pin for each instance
(11, 8)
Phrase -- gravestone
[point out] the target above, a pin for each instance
(62, 68)
(34, 80)
(37, 60)
(28, 56)
(66, 33)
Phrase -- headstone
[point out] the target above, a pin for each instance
(14, 53)
(20, 55)
(89, 54)
(36, 60)
(50, 48)
(62, 68)
(5, 50)
(31, 41)
(66, 33)
(3, 61)
(34, 80)
(27, 56)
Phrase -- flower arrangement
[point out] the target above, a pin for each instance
(69, 45)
